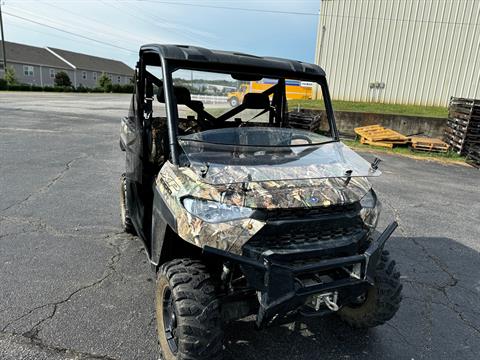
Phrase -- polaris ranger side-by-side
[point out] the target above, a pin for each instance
(245, 210)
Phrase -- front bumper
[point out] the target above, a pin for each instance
(284, 287)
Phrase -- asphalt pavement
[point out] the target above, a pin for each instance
(73, 286)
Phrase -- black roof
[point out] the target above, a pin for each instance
(194, 56)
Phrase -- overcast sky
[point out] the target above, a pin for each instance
(128, 24)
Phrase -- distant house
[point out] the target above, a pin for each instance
(89, 68)
(33, 65)
(38, 66)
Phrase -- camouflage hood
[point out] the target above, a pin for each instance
(267, 194)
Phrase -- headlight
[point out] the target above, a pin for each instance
(370, 209)
(215, 212)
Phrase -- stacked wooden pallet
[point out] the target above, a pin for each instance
(421, 143)
(304, 120)
(379, 136)
(463, 124)
(473, 156)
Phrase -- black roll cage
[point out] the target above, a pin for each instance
(145, 96)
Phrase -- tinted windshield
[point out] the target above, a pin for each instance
(242, 154)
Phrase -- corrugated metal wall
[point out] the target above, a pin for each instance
(400, 51)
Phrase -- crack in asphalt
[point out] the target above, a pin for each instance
(23, 340)
(10, 234)
(152, 320)
(466, 321)
(36, 328)
(453, 281)
(38, 225)
(44, 188)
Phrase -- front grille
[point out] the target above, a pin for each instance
(311, 235)
(307, 213)
(288, 231)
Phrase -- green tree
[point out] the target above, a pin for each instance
(105, 82)
(10, 76)
(62, 79)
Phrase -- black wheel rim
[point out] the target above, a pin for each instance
(363, 299)
(170, 321)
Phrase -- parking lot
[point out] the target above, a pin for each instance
(72, 285)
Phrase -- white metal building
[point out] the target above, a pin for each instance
(400, 51)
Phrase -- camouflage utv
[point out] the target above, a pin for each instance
(251, 210)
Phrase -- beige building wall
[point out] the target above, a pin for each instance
(400, 51)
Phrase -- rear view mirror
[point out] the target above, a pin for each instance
(247, 77)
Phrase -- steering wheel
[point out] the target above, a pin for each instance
(301, 137)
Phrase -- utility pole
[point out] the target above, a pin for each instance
(3, 44)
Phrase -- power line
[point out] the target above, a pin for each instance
(186, 31)
(232, 8)
(48, 34)
(143, 19)
(77, 15)
(69, 32)
(221, 7)
(103, 26)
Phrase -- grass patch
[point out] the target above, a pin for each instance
(404, 150)
(377, 108)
